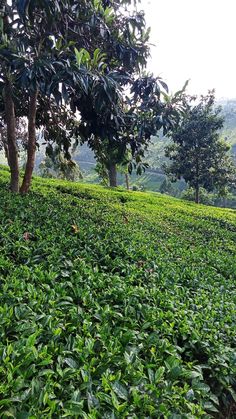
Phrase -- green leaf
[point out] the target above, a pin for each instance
(159, 374)
(210, 407)
(120, 390)
(71, 363)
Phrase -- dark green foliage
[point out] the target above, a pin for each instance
(197, 154)
(60, 168)
(115, 304)
(68, 52)
(208, 198)
(204, 196)
(166, 187)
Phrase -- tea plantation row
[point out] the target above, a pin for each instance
(115, 305)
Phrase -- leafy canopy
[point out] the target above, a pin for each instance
(197, 153)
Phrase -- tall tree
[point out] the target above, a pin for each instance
(7, 50)
(197, 153)
(44, 63)
(103, 113)
(127, 126)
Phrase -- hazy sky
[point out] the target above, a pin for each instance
(195, 39)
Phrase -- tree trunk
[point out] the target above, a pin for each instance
(31, 149)
(112, 175)
(12, 150)
(127, 180)
(197, 194)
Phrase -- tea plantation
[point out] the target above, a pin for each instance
(115, 305)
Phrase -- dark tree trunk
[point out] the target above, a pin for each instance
(197, 194)
(127, 181)
(112, 175)
(31, 148)
(12, 151)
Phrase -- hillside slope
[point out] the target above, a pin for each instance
(115, 305)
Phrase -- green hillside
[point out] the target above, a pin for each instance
(115, 305)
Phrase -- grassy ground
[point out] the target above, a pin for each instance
(115, 305)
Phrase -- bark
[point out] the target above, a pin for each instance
(12, 151)
(31, 148)
(112, 175)
(127, 180)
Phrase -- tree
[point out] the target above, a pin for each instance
(197, 153)
(127, 128)
(59, 167)
(166, 187)
(46, 38)
(104, 116)
(109, 178)
(45, 50)
(50, 50)
(7, 48)
(225, 181)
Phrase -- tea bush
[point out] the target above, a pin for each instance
(115, 305)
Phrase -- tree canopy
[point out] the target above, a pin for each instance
(77, 54)
(197, 153)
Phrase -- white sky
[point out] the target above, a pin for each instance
(195, 39)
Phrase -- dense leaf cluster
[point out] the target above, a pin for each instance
(115, 305)
(197, 152)
(67, 53)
